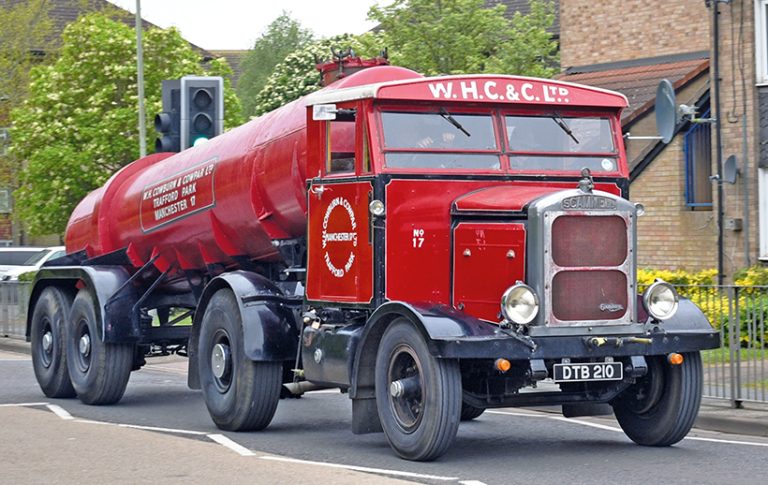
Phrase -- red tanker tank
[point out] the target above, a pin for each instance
(231, 196)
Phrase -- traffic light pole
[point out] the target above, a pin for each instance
(140, 77)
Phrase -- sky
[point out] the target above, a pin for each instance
(236, 24)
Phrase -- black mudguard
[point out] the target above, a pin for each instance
(113, 309)
(455, 335)
(269, 328)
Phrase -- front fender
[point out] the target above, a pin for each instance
(436, 323)
(269, 328)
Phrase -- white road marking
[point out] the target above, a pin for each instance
(236, 447)
(471, 482)
(164, 430)
(23, 404)
(380, 471)
(585, 423)
(615, 429)
(88, 421)
(59, 411)
(731, 442)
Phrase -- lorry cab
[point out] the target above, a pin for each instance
(431, 191)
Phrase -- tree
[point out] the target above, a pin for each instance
(79, 124)
(298, 76)
(24, 30)
(465, 37)
(531, 49)
(282, 37)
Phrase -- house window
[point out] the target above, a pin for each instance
(697, 146)
(761, 41)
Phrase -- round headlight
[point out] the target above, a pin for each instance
(519, 304)
(660, 300)
(376, 207)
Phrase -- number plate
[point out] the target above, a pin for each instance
(589, 371)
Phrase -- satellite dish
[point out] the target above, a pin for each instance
(666, 111)
(730, 170)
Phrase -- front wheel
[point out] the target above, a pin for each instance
(99, 370)
(417, 395)
(241, 395)
(662, 406)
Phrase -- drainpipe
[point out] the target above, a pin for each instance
(718, 141)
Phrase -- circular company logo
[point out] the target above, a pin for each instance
(338, 235)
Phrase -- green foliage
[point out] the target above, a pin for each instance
(466, 37)
(24, 29)
(282, 37)
(530, 49)
(745, 303)
(79, 124)
(297, 75)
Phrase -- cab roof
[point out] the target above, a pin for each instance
(480, 88)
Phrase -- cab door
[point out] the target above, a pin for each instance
(340, 252)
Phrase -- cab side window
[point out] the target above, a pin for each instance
(341, 146)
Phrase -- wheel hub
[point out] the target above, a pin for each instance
(220, 360)
(406, 392)
(84, 345)
(48, 341)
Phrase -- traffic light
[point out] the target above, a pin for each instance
(168, 123)
(202, 109)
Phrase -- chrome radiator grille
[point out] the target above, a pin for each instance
(588, 267)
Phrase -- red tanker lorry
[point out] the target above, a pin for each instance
(432, 247)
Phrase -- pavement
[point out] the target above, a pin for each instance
(750, 419)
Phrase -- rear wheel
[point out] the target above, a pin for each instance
(661, 407)
(49, 358)
(241, 395)
(417, 395)
(99, 371)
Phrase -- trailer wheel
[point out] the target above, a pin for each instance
(417, 395)
(241, 395)
(661, 407)
(469, 412)
(49, 358)
(99, 371)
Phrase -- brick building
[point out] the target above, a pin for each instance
(629, 45)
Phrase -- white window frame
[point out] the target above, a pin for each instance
(761, 42)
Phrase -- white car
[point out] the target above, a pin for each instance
(17, 260)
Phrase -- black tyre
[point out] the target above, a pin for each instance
(241, 395)
(469, 412)
(418, 396)
(99, 371)
(49, 358)
(661, 407)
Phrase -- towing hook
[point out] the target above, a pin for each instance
(617, 342)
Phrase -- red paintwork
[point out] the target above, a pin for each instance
(423, 274)
(503, 89)
(483, 266)
(255, 192)
(340, 264)
(501, 198)
(242, 190)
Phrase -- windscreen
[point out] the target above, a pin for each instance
(554, 142)
(440, 140)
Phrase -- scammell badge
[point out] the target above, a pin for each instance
(588, 202)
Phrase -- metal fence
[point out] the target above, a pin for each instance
(14, 296)
(736, 372)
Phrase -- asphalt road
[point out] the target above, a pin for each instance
(313, 433)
